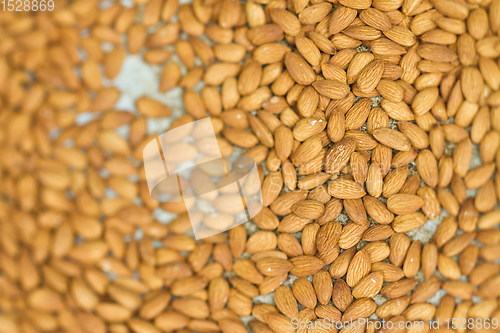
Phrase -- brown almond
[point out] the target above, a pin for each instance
(338, 155)
(345, 189)
(359, 267)
(404, 203)
(361, 308)
(369, 286)
(331, 88)
(370, 76)
(392, 139)
(305, 265)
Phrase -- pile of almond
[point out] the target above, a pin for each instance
(367, 118)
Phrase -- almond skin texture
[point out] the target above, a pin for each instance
(338, 155)
(304, 293)
(299, 69)
(370, 76)
(401, 204)
(305, 265)
(358, 268)
(345, 189)
(361, 308)
(369, 286)
(328, 236)
(331, 88)
(308, 209)
(392, 139)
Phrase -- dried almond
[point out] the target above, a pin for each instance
(392, 139)
(338, 155)
(305, 265)
(404, 203)
(369, 286)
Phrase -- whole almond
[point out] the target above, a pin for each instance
(393, 307)
(331, 88)
(345, 189)
(369, 286)
(308, 209)
(370, 76)
(309, 149)
(340, 265)
(359, 267)
(392, 139)
(429, 259)
(404, 203)
(285, 301)
(304, 293)
(391, 272)
(398, 288)
(338, 155)
(399, 244)
(328, 236)
(323, 286)
(282, 205)
(377, 210)
(448, 267)
(305, 265)
(341, 19)
(361, 308)
(411, 264)
(300, 71)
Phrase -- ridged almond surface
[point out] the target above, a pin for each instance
(304, 293)
(338, 155)
(392, 139)
(401, 204)
(300, 71)
(359, 267)
(331, 88)
(308, 150)
(361, 308)
(328, 236)
(286, 302)
(370, 76)
(345, 189)
(308, 209)
(368, 286)
(305, 265)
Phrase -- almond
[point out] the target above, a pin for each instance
(300, 71)
(285, 301)
(341, 18)
(305, 265)
(370, 76)
(338, 155)
(308, 209)
(309, 149)
(328, 236)
(358, 268)
(398, 288)
(331, 88)
(393, 307)
(345, 189)
(361, 308)
(369, 286)
(377, 210)
(391, 272)
(392, 139)
(282, 205)
(304, 293)
(404, 203)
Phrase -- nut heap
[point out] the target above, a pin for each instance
(363, 114)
